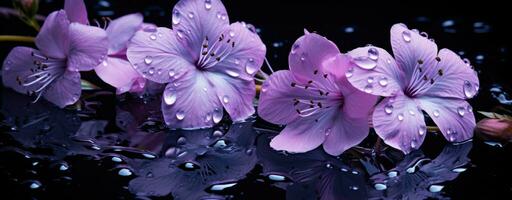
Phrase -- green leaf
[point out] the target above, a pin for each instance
(86, 85)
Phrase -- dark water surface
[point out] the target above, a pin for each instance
(118, 147)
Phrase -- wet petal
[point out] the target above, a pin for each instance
(87, 48)
(121, 30)
(236, 95)
(118, 73)
(53, 39)
(76, 11)
(345, 133)
(453, 78)
(158, 56)
(65, 90)
(454, 117)
(400, 123)
(191, 102)
(244, 55)
(373, 70)
(197, 19)
(412, 52)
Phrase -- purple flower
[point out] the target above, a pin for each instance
(208, 63)
(315, 100)
(115, 69)
(66, 46)
(419, 78)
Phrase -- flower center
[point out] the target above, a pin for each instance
(43, 72)
(420, 81)
(214, 52)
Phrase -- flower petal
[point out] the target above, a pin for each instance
(76, 11)
(17, 66)
(121, 30)
(65, 90)
(410, 49)
(87, 47)
(383, 79)
(235, 95)
(53, 39)
(454, 117)
(197, 19)
(305, 134)
(246, 55)
(400, 123)
(118, 73)
(158, 56)
(191, 102)
(277, 90)
(452, 78)
(345, 133)
(311, 57)
(358, 104)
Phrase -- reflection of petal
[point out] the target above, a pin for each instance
(198, 163)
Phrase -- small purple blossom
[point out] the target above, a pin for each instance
(315, 100)
(208, 64)
(66, 46)
(418, 78)
(115, 69)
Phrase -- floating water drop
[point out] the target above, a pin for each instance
(63, 167)
(353, 188)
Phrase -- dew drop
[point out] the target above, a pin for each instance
(435, 188)
(365, 63)
(411, 112)
(237, 61)
(349, 72)
(461, 111)
(220, 144)
(35, 185)
(276, 178)
(353, 188)
(220, 187)
(180, 115)
(124, 172)
(373, 53)
(380, 186)
(217, 115)
(208, 4)
(469, 89)
(208, 117)
(368, 88)
(152, 36)
(232, 33)
(151, 70)
(232, 73)
(422, 130)
(170, 97)
(388, 109)
(190, 15)
(436, 113)
(370, 79)
(116, 159)
(392, 174)
(172, 73)
(250, 66)
(217, 133)
(225, 99)
(295, 47)
(459, 170)
(148, 60)
(63, 167)
(181, 141)
(406, 35)
(176, 17)
(383, 82)
(400, 117)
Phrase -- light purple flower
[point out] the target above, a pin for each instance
(66, 46)
(315, 100)
(115, 69)
(208, 63)
(418, 78)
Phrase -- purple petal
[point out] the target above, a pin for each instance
(121, 30)
(305, 133)
(195, 20)
(17, 65)
(357, 104)
(87, 48)
(312, 57)
(452, 78)
(412, 52)
(159, 56)
(235, 95)
(76, 11)
(53, 39)
(246, 53)
(374, 71)
(454, 117)
(400, 123)
(345, 133)
(277, 90)
(191, 102)
(118, 73)
(65, 90)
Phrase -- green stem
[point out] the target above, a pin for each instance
(16, 38)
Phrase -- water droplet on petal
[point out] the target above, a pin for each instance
(180, 115)
(436, 113)
(220, 144)
(400, 117)
(392, 174)
(208, 117)
(170, 97)
(220, 187)
(368, 88)
(124, 172)
(190, 15)
(217, 115)
(172, 73)
(435, 188)
(380, 186)
(232, 73)
(469, 89)
(217, 133)
(208, 4)
(148, 60)
(383, 82)
(295, 47)
(176, 17)
(373, 53)
(237, 61)
(349, 72)
(422, 130)
(388, 109)
(250, 66)
(232, 33)
(225, 99)
(459, 170)
(152, 36)
(461, 111)
(151, 71)
(116, 159)
(365, 63)
(181, 141)
(411, 112)
(406, 35)
(370, 79)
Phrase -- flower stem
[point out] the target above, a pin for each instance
(16, 38)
